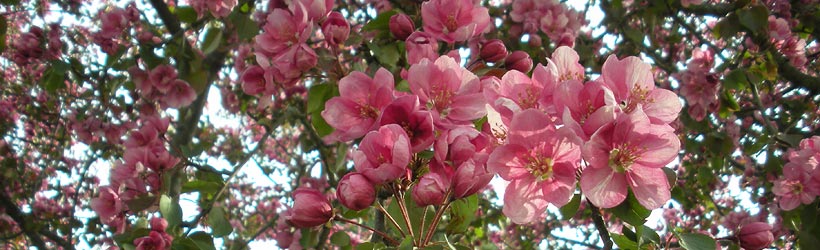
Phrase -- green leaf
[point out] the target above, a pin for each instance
(631, 211)
(244, 26)
(212, 40)
(387, 54)
(694, 241)
(3, 32)
(340, 238)
(381, 22)
(54, 77)
(649, 234)
(570, 209)
(205, 187)
(406, 244)
(219, 222)
(186, 14)
(623, 242)
(727, 27)
(736, 79)
(462, 214)
(670, 176)
(320, 125)
(170, 210)
(318, 95)
(203, 240)
(366, 246)
(140, 203)
(755, 19)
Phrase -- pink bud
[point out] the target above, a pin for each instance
(401, 26)
(335, 28)
(518, 60)
(470, 179)
(754, 236)
(310, 208)
(355, 191)
(493, 51)
(421, 45)
(431, 189)
(158, 224)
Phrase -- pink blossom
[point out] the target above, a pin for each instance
(698, 86)
(583, 107)
(107, 204)
(355, 191)
(539, 161)
(406, 112)
(310, 208)
(431, 189)
(359, 105)
(791, 187)
(779, 28)
(493, 50)
(180, 95)
(256, 81)
(518, 60)
(154, 241)
(421, 45)
(282, 30)
(113, 22)
(158, 224)
(401, 26)
(452, 93)
(336, 29)
(288, 66)
(454, 20)
(554, 19)
(516, 92)
(470, 178)
(755, 236)
(316, 10)
(383, 155)
(632, 84)
(217, 8)
(629, 152)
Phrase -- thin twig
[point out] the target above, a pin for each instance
(380, 233)
(599, 224)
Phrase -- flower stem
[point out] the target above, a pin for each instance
(389, 217)
(405, 214)
(380, 233)
(435, 222)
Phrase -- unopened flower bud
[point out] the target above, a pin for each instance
(310, 208)
(401, 26)
(493, 51)
(355, 191)
(335, 28)
(431, 189)
(158, 224)
(754, 236)
(518, 60)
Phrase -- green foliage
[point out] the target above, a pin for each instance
(696, 241)
(462, 214)
(219, 222)
(632, 212)
(170, 210)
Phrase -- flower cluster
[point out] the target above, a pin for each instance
(161, 84)
(698, 85)
(800, 182)
(281, 49)
(618, 124)
(137, 174)
(114, 23)
(557, 20)
(217, 8)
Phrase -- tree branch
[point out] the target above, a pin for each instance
(601, 226)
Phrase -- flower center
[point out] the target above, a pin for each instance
(451, 23)
(621, 158)
(540, 167)
(529, 99)
(367, 111)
